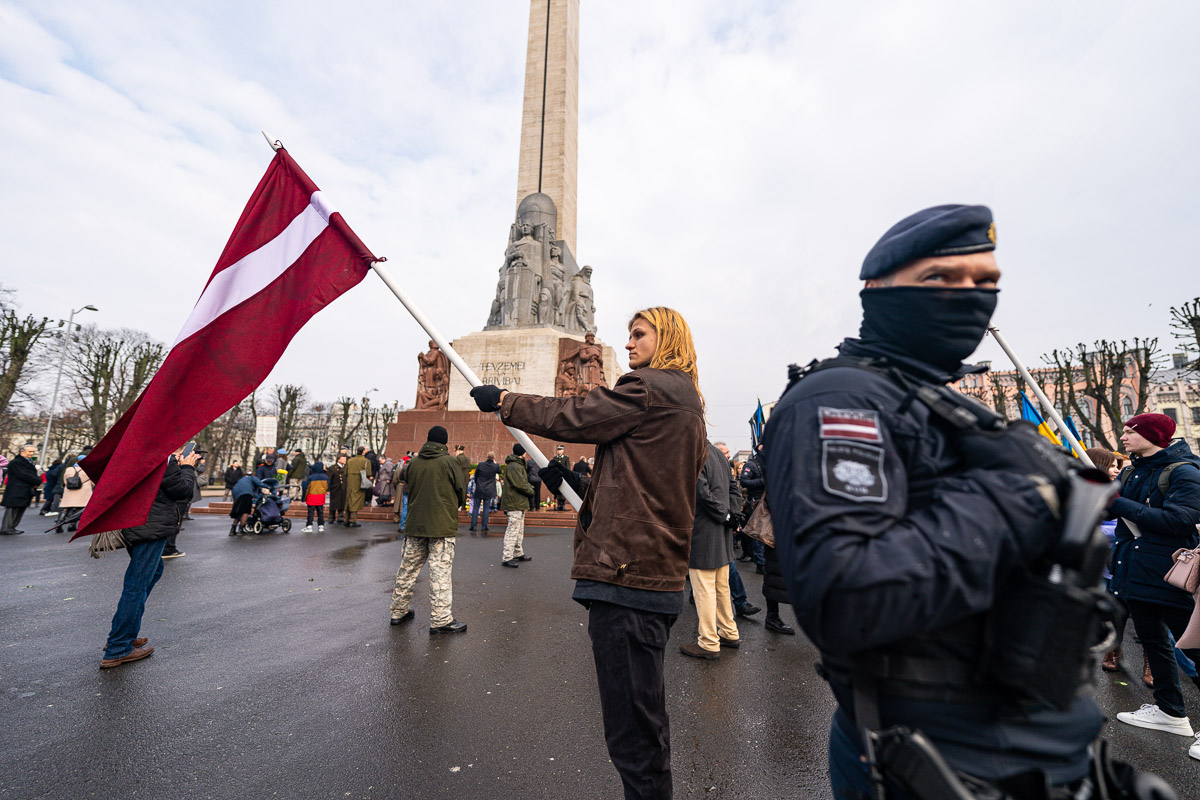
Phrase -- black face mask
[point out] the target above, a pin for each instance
(939, 327)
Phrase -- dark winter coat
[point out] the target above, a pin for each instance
(532, 470)
(635, 526)
(53, 480)
(232, 476)
(1166, 523)
(712, 542)
(435, 491)
(22, 481)
(754, 481)
(165, 514)
(298, 470)
(774, 586)
(517, 490)
(485, 478)
(337, 487)
(248, 484)
(464, 464)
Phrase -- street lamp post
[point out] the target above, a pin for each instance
(62, 356)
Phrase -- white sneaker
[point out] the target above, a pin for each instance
(1149, 716)
(1194, 750)
(320, 529)
(306, 529)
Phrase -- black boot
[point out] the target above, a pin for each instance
(774, 623)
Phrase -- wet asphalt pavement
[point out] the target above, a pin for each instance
(276, 674)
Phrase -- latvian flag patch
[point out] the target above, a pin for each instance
(850, 423)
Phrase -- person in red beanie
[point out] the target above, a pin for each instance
(1157, 512)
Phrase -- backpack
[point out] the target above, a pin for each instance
(75, 482)
(1164, 477)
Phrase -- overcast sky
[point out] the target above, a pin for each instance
(736, 161)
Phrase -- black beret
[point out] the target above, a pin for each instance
(939, 231)
(438, 434)
(518, 450)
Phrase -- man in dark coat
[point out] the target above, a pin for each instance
(535, 483)
(265, 469)
(22, 481)
(754, 482)
(298, 468)
(1157, 513)
(485, 489)
(464, 464)
(708, 563)
(517, 492)
(145, 545)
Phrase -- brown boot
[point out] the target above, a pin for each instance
(1112, 660)
(1147, 678)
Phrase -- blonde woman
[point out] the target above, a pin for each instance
(634, 531)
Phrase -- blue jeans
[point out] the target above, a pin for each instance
(482, 507)
(403, 510)
(847, 773)
(144, 570)
(1185, 663)
(737, 589)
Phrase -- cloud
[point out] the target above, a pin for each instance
(736, 162)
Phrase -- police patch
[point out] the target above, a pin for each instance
(853, 471)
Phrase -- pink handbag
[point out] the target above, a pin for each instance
(1185, 572)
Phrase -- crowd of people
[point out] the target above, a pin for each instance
(926, 545)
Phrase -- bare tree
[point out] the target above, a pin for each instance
(1116, 378)
(375, 423)
(288, 400)
(1185, 326)
(109, 370)
(347, 410)
(18, 338)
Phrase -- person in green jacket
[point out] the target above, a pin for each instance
(515, 502)
(435, 491)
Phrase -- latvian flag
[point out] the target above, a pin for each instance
(289, 256)
(846, 423)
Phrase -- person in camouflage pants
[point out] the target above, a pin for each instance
(435, 491)
(440, 555)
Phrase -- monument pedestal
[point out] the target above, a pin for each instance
(517, 359)
(479, 433)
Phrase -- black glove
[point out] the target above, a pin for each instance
(1017, 448)
(736, 520)
(554, 473)
(487, 397)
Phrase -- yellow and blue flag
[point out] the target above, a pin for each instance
(1030, 413)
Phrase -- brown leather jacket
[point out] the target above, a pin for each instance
(635, 527)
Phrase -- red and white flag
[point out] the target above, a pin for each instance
(289, 256)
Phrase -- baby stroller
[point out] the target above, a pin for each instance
(269, 510)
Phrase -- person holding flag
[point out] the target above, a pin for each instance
(634, 531)
(145, 544)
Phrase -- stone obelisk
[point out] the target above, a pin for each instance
(550, 120)
(540, 334)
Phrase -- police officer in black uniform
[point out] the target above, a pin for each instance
(895, 529)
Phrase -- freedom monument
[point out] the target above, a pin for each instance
(540, 334)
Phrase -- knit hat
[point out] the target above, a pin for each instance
(518, 450)
(1157, 429)
(438, 434)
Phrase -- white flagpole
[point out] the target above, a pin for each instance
(468, 373)
(1047, 406)
(473, 379)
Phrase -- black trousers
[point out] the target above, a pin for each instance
(12, 518)
(628, 647)
(1152, 621)
(319, 511)
(535, 500)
